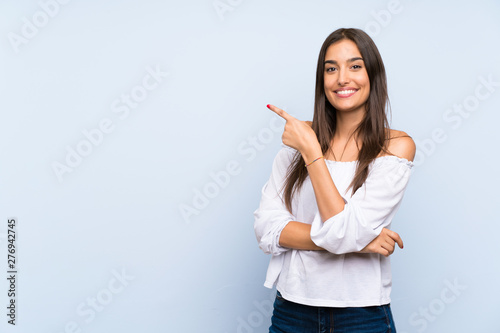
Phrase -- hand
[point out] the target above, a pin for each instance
(298, 134)
(384, 244)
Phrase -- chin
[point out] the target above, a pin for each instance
(346, 108)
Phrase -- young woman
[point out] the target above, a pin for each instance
(335, 187)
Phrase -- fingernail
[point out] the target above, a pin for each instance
(268, 106)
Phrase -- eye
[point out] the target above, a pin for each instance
(330, 69)
(356, 66)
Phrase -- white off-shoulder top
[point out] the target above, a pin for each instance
(337, 277)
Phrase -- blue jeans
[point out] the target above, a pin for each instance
(289, 317)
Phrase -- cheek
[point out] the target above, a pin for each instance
(329, 84)
(366, 81)
(368, 89)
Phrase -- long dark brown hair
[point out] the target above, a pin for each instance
(373, 129)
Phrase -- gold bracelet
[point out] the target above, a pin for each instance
(314, 161)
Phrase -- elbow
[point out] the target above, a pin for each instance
(264, 239)
(269, 244)
(268, 231)
(267, 249)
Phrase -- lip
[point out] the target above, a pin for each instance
(346, 95)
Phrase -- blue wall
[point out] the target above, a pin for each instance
(135, 140)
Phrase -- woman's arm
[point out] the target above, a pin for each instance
(300, 136)
(297, 235)
(329, 200)
(359, 228)
(276, 229)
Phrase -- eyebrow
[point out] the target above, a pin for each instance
(333, 62)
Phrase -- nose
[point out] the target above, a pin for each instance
(343, 78)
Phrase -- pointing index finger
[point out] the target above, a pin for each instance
(279, 112)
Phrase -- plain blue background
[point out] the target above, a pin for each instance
(119, 211)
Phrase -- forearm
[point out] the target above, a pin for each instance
(297, 235)
(300, 136)
(328, 198)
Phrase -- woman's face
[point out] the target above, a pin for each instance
(347, 85)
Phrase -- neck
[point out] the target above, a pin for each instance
(347, 122)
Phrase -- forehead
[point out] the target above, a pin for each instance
(342, 50)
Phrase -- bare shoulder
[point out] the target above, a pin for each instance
(401, 145)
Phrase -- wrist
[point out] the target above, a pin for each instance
(311, 154)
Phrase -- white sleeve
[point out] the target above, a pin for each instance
(368, 211)
(272, 216)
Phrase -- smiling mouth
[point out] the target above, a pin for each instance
(345, 92)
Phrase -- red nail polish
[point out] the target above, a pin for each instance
(268, 106)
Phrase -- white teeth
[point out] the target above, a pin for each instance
(345, 92)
